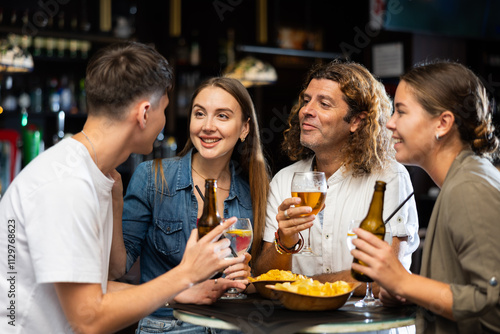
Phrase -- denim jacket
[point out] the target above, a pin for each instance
(158, 222)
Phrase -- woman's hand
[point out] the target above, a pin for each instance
(289, 221)
(381, 264)
(240, 271)
(207, 292)
(390, 300)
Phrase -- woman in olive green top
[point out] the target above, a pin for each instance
(442, 123)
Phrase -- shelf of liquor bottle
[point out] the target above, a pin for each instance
(104, 38)
(57, 58)
(288, 52)
(40, 115)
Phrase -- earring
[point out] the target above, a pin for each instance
(437, 137)
(242, 139)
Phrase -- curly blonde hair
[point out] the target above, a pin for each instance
(441, 85)
(369, 148)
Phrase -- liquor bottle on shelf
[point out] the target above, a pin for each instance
(194, 56)
(67, 95)
(61, 47)
(38, 46)
(25, 18)
(50, 45)
(36, 96)
(13, 18)
(84, 49)
(105, 15)
(73, 48)
(54, 96)
(61, 23)
(9, 100)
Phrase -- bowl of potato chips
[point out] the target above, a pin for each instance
(273, 276)
(311, 295)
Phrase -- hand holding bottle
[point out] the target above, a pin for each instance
(373, 223)
(208, 255)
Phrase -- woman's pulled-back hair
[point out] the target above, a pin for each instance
(440, 86)
(119, 74)
(369, 147)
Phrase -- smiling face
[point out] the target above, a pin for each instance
(216, 123)
(321, 117)
(413, 128)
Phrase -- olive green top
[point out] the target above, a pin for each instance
(461, 247)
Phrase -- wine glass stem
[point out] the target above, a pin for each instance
(369, 292)
(309, 239)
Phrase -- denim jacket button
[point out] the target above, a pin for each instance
(493, 281)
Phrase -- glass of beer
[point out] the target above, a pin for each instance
(241, 235)
(311, 188)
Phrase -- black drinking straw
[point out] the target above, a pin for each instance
(399, 207)
(199, 192)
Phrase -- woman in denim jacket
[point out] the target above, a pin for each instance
(161, 205)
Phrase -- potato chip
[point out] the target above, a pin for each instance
(277, 275)
(312, 287)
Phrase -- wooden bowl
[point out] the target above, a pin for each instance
(300, 302)
(264, 291)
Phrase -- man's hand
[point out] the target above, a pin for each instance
(290, 222)
(207, 256)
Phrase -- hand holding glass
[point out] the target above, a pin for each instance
(311, 188)
(241, 235)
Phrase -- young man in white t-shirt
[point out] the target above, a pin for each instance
(337, 127)
(59, 214)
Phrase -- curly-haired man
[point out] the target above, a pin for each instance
(337, 127)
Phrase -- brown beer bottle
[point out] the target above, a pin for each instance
(373, 223)
(210, 217)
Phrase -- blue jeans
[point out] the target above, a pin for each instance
(152, 324)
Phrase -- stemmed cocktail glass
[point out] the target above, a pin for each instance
(311, 188)
(241, 235)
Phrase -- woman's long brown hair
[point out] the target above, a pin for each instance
(248, 156)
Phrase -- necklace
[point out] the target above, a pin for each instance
(91, 145)
(204, 178)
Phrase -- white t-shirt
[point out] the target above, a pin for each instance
(56, 220)
(347, 198)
